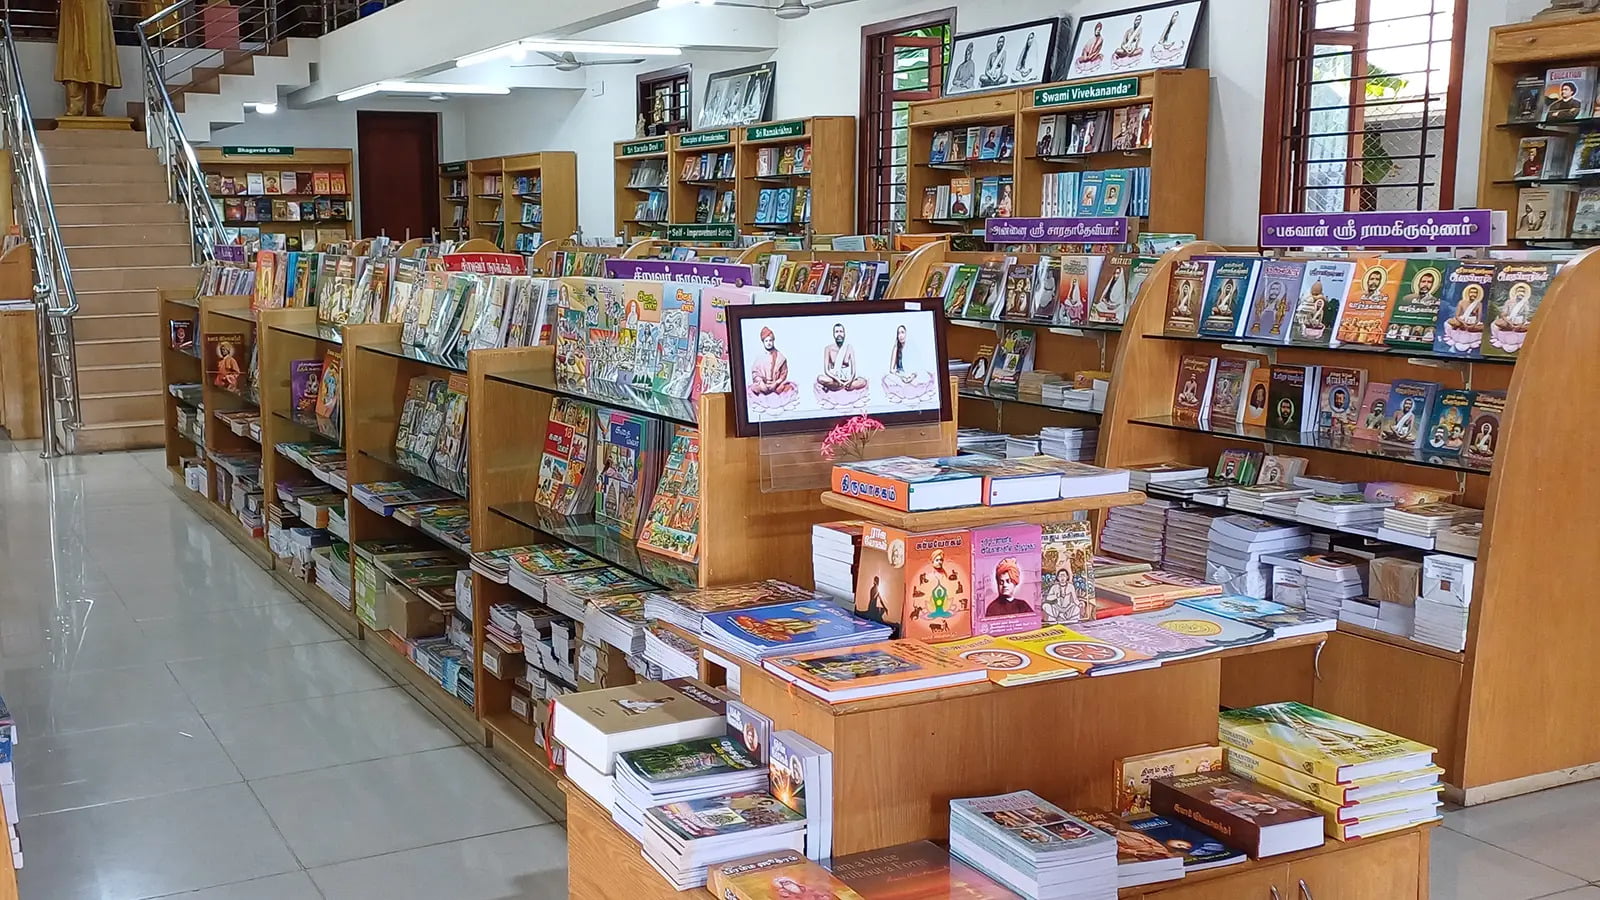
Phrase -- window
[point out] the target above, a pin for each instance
(664, 101)
(901, 61)
(1363, 105)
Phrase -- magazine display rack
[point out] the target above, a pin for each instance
(642, 187)
(1527, 645)
(333, 164)
(453, 200)
(1530, 48)
(817, 155)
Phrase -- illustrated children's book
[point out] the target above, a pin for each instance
(1513, 299)
(1277, 294)
(566, 470)
(1005, 562)
(1416, 314)
(1483, 430)
(1012, 356)
(1364, 319)
(1066, 573)
(1233, 281)
(1322, 293)
(330, 395)
(627, 451)
(673, 525)
(918, 582)
(1186, 296)
(1448, 421)
(1405, 415)
(1464, 308)
(676, 341)
(714, 375)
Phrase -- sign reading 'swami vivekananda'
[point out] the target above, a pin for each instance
(702, 138)
(713, 231)
(775, 130)
(1057, 230)
(1441, 228)
(257, 151)
(643, 148)
(1087, 92)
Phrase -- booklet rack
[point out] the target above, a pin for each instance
(1528, 634)
(218, 163)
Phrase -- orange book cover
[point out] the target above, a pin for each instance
(266, 264)
(1009, 663)
(785, 875)
(1074, 648)
(919, 582)
(320, 182)
(336, 183)
(883, 490)
(1145, 591)
(870, 665)
(1255, 406)
(1364, 317)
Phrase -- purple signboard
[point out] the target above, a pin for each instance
(1441, 228)
(675, 270)
(233, 253)
(1062, 230)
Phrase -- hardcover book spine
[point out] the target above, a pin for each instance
(1235, 831)
(1317, 767)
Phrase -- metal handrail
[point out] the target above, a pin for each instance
(186, 183)
(55, 299)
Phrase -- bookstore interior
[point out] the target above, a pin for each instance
(1102, 547)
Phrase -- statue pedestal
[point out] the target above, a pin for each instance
(95, 123)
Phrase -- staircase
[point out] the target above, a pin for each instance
(215, 95)
(124, 242)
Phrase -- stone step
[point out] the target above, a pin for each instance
(130, 255)
(119, 406)
(105, 175)
(147, 213)
(90, 327)
(124, 234)
(117, 351)
(116, 303)
(122, 377)
(105, 194)
(126, 278)
(79, 137)
(98, 156)
(133, 435)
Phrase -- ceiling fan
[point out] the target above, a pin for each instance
(784, 9)
(566, 62)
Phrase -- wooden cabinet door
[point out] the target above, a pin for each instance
(1382, 870)
(1410, 693)
(1255, 884)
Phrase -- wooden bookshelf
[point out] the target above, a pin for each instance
(829, 174)
(1529, 48)
(453, 196)
(931, 116)
(227, 315)
(626, 157)
(684, 195)
(486, 199)
(217, 161)
(977, 516)
(555, 174)
(1179, 102)
(179, 367)
(1525, 643)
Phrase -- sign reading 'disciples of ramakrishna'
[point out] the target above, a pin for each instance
(1087, 92)
(641, 148)
(775, 130)
(702, 138)
(1060, 230)
(703, 231)
(1441, 228)
(676, 270)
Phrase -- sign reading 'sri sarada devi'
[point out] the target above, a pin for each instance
(1064, 230)
(1441, 228)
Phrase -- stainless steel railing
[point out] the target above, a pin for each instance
(53, 294)
(186, 183)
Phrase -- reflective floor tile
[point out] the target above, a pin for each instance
(529, 864)
(1463, 868)
(275, 676)
(87, 768)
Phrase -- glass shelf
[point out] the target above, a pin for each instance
(241, 313)
(1558, 179)
(421, 468)
(190, 302)
(312, 424)
(317, 331)
(961, 165)
(453, 362)
(708, 182)
(1354, 349)
(671, 409)
(1005, 396)
(602, 542)
(1552, 126)
(779, 179)
(1311, 441)
(1024, 323)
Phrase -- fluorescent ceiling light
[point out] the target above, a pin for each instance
(512, 50)
(668, 4)
(421, 87)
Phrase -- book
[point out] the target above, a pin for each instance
(1322, 293)
(1483, 428)
(1256, 768)
(1544, 212)
(1018, 292)
(1405, 415)
(1005, 572)
(1412, 325)
(1339, 393)
(1288, 388)
(961, 199)
(1012, 356)
(1586, 213)
(908, 484)
(1282, 621)
(1046, 288)
(1140, 859)
(1448, 419)
(671, 769)
(1066, 573)
(1189, 393)
(725, 825)
(1255, 407)
(1010, 662)
(788, 629)
(921, 869)
(1364, 318)
(566, 472)
(1527, 99)
(1544, 156)
(597, 725)
(1134, 773)
(1078, 275)
(1238, 812)
(305, 385)
(1463, 308)
(775, 876)
(1200, 851)
(958, 289)
(1321, 744)
(1232, 284)
(1513, 300)
(672, 526)
(801, 776)
(1374, 403)
(874, 670)
(1272, 306)
(1147, 591)
(986, 295)
(1569, 93)
(1186, 295)
(1230, 383)
(1585, 154)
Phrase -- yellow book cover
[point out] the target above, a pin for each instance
(1251, 766)
(1134, 773)
(776, 876)
(1363, 819)
(1319, 743)
(1008, 663)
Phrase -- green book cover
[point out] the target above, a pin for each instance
(1416, 314)
(689, 759)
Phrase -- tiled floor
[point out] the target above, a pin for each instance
(188, 730)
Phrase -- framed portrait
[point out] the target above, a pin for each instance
(1012, 56)
(738, 97)
(802, 367)
(1158, 36)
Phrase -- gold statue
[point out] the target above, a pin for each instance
(86, 56)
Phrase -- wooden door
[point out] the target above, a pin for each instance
(1352, 669)
(397, 157)
(1381, 870)
(1255, 884)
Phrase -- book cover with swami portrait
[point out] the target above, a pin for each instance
(1416, 313)
(1364, 318)
(1405, 413)
(1339, 391)
(1005, 563)
(1186, 295)
(1322, 294)
(1232, 280)
(1459, 329)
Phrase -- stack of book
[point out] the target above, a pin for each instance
(685, 770)
(1419, 525)
(1460, 539)
(1187, 541)
(1441, 609)
(1141, 859)
(789, 629)
(675, 655)
(874, 670)
(571, 593)
(1136, 531)
(1242, 813)
(1342, 510)
(835, 556)
(1238, 544)
(618, 620)
(981, 442)
(772, 875)
(1276, 499)
(1331, 578)
(1020, 445)
(682, 840)
(1033, 847)
(1141, 477)
(689, 609)
(1076, 444)
(528, 569)
(1362, 780)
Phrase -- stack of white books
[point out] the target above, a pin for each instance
(835, 555)
(1187, 541)
(617, 620)
(1238, 544)
(1441, 610)
(981, 442)
(1157, 473)
(684, 770)
(1076, 444)
(1135, 532)
(1255, 497)
(1330, 579)
(1020, 445)
(683, 839)
(1342, 510)
(675, 655)
(1419, 525)
(503, 626)
(1033, 847)
(1322, 485)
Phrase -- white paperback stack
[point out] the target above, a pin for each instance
(1255, 497)
(1020, 445)
(1134, 532)
(686, 770)
(1363, 611)
(1330, 579)
(1419, 525)
(1139, 477)
(1187, 541)
(617, 620)
(675, 655)
(503, 626)
(1033, 847)
(1238, 544)
(1441, 610)
(684, 838)
(1076, 444)
(981, 442)
(1348, 511)
(835, 554)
